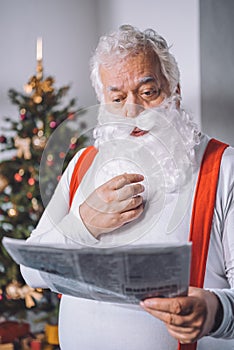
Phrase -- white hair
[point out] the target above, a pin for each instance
(130, 40)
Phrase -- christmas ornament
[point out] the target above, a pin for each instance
(35, 204)
(3, 139)
(12, 212)
(23, 147)
(21, 172)
(31, 181)
(53, 124)
(50, 160)
(62, 155)
(18, 177)
(39, 142)
(15, 291)
(23, 114)
(29, 195)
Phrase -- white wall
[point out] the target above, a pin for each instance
(217, 69)
(177, 21)
(70, 31)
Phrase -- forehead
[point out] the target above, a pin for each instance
(130, 71)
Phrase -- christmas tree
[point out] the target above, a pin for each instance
(41, 115)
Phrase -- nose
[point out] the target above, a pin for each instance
(131, 107)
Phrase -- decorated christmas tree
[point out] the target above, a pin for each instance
(25, 188)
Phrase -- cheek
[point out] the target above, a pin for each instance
(156, 102)
(112, 108)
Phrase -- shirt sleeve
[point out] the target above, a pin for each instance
(59, 224)
(225, 209)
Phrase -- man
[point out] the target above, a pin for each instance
(144, 175)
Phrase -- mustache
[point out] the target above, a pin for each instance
(159, 117)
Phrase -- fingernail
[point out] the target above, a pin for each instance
(147, 302)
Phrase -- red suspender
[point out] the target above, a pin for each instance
(202, 215)
(82, 165)
(203, 207)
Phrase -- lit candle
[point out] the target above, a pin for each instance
(39, 49)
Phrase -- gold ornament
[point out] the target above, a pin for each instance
(23, 147)
(39, 142)
(37, 86)
(12, 212)
(37, 99)
(16, 291)
(21, 172)
(35, 204)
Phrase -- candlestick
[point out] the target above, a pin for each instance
(39, 49)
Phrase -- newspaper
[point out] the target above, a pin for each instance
(123, 275)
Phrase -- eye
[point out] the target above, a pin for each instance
(150, 93)
(116, 100)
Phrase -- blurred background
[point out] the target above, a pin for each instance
(70, 30)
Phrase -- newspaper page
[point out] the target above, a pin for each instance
(123, 274)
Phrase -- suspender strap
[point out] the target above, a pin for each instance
(202, 215)
(81, 167)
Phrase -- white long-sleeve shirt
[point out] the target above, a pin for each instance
(94, 325)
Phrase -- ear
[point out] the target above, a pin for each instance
(178, 91)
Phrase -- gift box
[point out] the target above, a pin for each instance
(51, 334)
(7, 346)
(11, 330)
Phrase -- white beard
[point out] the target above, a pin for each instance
(165, 155)
(166, 158)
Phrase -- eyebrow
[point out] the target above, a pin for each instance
(143, 80)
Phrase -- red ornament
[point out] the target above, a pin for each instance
(72, 146)
(29, 195)
(31, 181)
(62, 155)
(18, 177)
(50, 162)
(71, 116)
(3, 139)
(53, 124)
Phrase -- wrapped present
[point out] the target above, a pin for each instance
(7, 346)
(25, 342)
(11, 330)
(36, 344)
(51, 334)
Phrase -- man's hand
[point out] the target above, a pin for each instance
(113, 204)
(186, 318)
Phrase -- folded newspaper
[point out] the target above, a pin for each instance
(123, 274)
